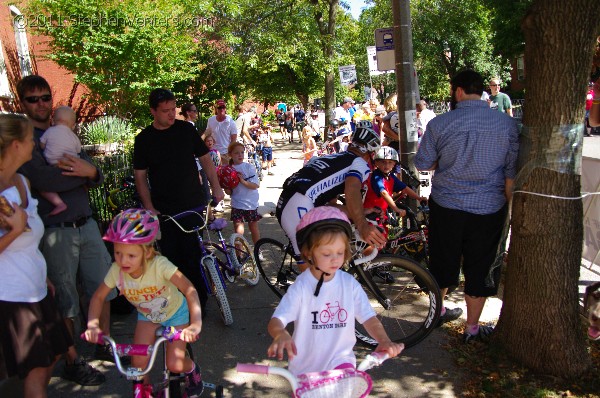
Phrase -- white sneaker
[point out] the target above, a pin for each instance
(218, 208)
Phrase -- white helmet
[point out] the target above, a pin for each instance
(367, 137)
(387, 153)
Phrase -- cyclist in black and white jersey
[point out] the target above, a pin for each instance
(323, 178)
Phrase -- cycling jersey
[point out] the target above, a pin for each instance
(323, 177)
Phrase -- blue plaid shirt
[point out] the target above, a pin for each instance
(476, 149)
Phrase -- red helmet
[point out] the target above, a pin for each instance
(228, 177)
(133, 226)
(322, 217)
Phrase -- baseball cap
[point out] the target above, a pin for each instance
(347, 99)
(220, 102)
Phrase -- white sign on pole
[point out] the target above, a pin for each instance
(384, 46)
(412, 133)
(347, 74)
(372, 58)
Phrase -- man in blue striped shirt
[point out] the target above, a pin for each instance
(473, 150)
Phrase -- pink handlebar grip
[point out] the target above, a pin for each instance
(252, 368)
(100, 340)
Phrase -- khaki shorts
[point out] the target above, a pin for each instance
(72, 252)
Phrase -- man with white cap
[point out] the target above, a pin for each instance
(342, 112)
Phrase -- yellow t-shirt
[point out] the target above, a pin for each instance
(153, 294)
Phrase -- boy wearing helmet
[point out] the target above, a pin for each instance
(384, 183)
(323, 303)
(322, 179)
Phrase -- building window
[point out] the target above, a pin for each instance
(521, 68)
(21, 41)
(4, 85)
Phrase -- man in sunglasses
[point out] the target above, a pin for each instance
(72, 243)
(498, 100)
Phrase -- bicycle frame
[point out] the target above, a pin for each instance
(203, 251)
(164, 334)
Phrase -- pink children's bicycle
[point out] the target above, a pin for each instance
(171, 385)
(347, 383)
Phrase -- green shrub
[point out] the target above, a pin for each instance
(107, 129)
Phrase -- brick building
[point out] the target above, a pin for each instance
(23, 53)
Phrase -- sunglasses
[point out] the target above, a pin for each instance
(221, 107)
(494, 85)
(34, 99)
(193, 110)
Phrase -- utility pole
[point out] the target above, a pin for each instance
(406, 84)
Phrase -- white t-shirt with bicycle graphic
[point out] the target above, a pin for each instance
(323, 325)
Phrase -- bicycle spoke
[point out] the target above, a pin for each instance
(275, 264)
(413, 296)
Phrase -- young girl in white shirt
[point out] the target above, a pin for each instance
(324, 303)
(244, 197)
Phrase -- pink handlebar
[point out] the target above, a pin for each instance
(252, 368)
(100, 338)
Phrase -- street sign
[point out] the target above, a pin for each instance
(347, 75)
(384, 47)
(372, 59)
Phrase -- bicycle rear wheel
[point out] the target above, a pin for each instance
(276, 264)
(217, 289)
(243, 259)
(221, 259)
(413, 297)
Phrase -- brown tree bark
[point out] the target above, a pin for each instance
(539, 324)
(327, 31)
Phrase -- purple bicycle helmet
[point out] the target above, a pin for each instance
(319, 217)
(133, 226)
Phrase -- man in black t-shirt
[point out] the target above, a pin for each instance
(164, 156)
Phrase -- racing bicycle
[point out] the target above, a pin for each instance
(404, 294)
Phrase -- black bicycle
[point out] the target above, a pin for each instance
(404, 294)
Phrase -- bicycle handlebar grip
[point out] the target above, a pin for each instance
(100, 338)
(252, 368)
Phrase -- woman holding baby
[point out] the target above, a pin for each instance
(32, 333)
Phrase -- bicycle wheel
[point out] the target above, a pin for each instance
(276, 264)
(221, 258)
(241, 255)
(218, 290)
(413, 298)
(176, 380)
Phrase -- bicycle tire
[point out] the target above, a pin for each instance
(218, 290)
(245, 262)
(176, 381)
(277, 267)
(414, 299)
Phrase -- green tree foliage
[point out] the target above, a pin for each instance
(448, 36)
(121, 50)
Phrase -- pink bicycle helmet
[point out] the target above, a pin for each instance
(133, 226)
(322, 217)
(228, 177)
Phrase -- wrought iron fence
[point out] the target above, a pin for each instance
(115, 167)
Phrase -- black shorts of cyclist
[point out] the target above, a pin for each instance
(457, 236)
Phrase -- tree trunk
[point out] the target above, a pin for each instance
(539, 323)
(327, 32)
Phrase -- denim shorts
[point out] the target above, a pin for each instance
(180, 317)
(72, 254)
